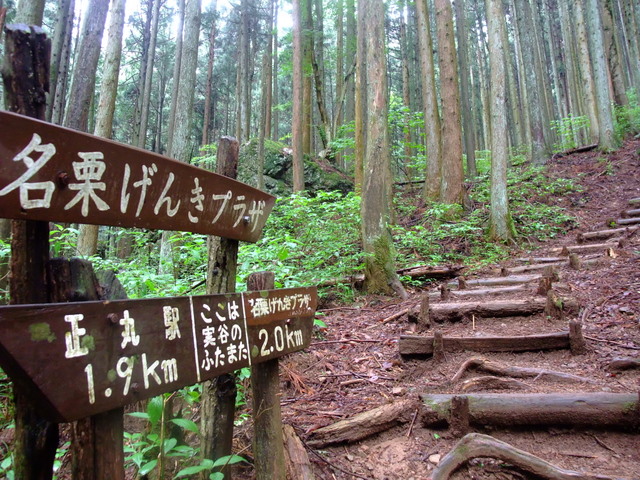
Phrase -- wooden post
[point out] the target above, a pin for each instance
(268, 446)
(26, 81)
(438, 347)
(576, 339)
(219, 394)
(97, 441)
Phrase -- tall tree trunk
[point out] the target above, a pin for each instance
(613, 54)
(265, 106)
(465, 89)
(88, 234)
(183, 115)
(430, 105)
(30, 12)
(206, 121)
(361, 113)
(451, 188)
(177, 67)
(60, 53)
(532, 84)
(307, 76)
(500, 224)
(84, 72)
(275, 131)
(380, 275)
(144, 57)
(406, 93)
(606, 139)
(146, 92)
(338, 117)
(586, 72)
(297, 124)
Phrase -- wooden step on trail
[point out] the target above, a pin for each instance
(620, 411)
(481, 292)
(634, 212)
(628, 221)
(456, 311)
(417, 345)
(634, 201)
(605, 234)
(497, 281)
(594, 247)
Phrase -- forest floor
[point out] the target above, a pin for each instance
(355, 366)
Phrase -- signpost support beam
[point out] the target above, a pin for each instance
(219, 394)
(268, 444)
(97, 441)
(26, 79)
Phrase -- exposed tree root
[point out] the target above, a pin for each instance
(476, 445)
(495, 368)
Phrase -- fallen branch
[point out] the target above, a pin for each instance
(496, 368)
(297, 460)
(612, 342)
(584, 148)
(604, 234)
(490, 382)
(579, 410)
(364, 424)
(476, 445)
(623, 364)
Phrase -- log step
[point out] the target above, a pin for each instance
(634, 201)
(442, 312)
(578, 410)
(410, 345)
(628, 221)
(595, 247)
(481, 292)
(605, 234)
(500, 281)
(634, 212)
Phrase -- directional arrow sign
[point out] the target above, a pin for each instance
(80, 359)
(55, 174)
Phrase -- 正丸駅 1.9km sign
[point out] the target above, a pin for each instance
(80, 359)
(53, 173)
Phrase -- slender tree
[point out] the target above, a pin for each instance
(88, 234)
(451, 188)
(501, 226)
(380, 274)
(148, 77)
(297, 100)
(606, 139)
(430, 105)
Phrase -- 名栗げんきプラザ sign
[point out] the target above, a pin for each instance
(53, 173)
(80, 359)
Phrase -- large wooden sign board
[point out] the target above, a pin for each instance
(80, 359)
(53, 173)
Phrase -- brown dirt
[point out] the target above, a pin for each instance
(355, 366)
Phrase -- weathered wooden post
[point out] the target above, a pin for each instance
(268, 444)
(26, 81)
(219, 395)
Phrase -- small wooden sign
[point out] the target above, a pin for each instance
(80, 359)
(53, 173)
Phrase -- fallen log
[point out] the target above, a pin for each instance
(604, 234)
(634, 201)
(364, 424)
(442, 312)
(584, 148)
(634, 212)
(540, 259)
(298, 464)
(410, 345)
(496, 368)
(413, 272)
(432, 272)
(475, 445)
(579, 410)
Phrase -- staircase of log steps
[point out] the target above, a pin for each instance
(533, 287)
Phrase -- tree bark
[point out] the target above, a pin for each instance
(501, 226)
(297, 100)
(88, 234)
(380, 274)
(298, 464)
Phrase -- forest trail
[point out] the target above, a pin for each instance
(593, 274)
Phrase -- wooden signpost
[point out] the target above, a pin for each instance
(53, 173)
(80, 359)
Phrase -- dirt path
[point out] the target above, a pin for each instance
(356, 366)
